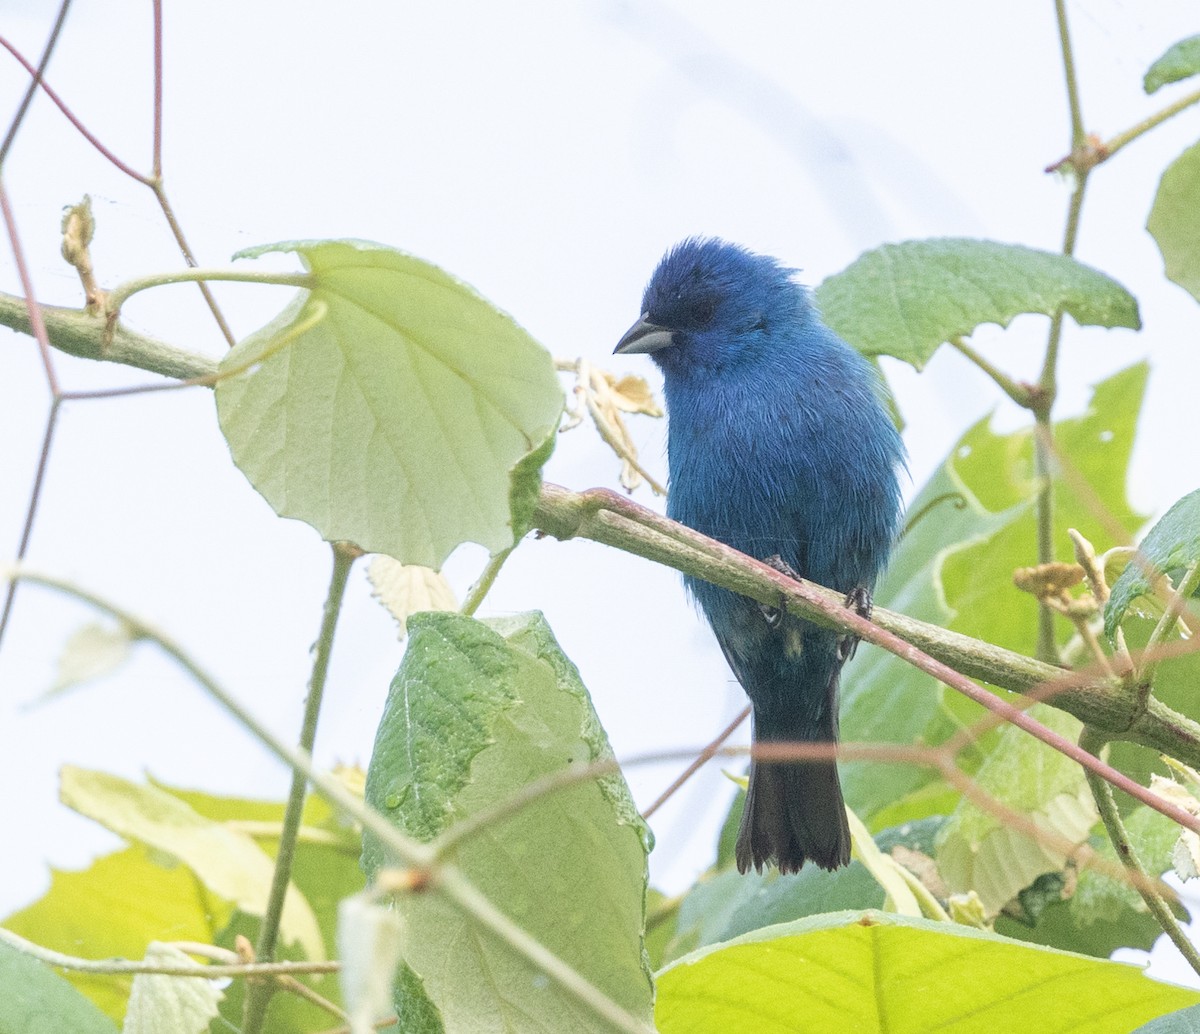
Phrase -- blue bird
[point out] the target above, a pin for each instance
(780, 445)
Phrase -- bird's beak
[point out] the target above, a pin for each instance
(644, 337)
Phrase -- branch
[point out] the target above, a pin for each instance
(1097, 700)
(81, 334)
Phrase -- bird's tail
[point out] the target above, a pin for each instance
(794, 809)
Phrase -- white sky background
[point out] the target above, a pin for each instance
(547, 153)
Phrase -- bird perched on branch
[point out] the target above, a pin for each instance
(779, 445)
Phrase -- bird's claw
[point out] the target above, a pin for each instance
(860, 599)
(774, 615)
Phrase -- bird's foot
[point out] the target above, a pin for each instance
(782, 566)
(774, 615)
(860, 599)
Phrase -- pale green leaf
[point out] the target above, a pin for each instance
(1181, 61)
(36, 1000)
(906, 300)
(1173, 542)
(180, 1005)
(979, 851)
(1185, 1021)
(1174, 221)
(391, 406)
(476, 712)
(229, 863)
(90, 652)
(878, 973)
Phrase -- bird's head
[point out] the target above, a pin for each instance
(711, 304)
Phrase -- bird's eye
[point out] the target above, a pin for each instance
(704, 310)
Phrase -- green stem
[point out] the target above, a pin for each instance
(1047, 647)
(1112, 146)
(1119, 835)
(1068, 58)
(207, 971)
(1016, 391)
(258, 993)
(120, 294)
(486, 580)
(1179, 598)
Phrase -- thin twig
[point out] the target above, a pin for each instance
(207, 971)
(31, 89)
(701, 759)
(72, 117)
(35, 495)
(1117, 833)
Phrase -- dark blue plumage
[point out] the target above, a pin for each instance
(779, 445)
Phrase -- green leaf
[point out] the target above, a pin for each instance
(181, 1005)
(1185, 1021)
(226, 861)
(326, 871)
(1180, 61)
(874, 972)
(906, 300)
(1174, 542)
(884, 699)
(729, 904)
(476, 712)
(391, 406)
(36, 1000)
(970, 527)
(979, 851)
(1174, 220)
(114, 909)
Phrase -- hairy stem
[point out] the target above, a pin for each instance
(258, 994)
(1113, 145)
(1117, 833)
(1016, 391)
(1047, 648)
(486, 580)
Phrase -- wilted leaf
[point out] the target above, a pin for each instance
(978, 851)
(91, 652)
(370, 941)
(181, 1005)
(407, 589)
